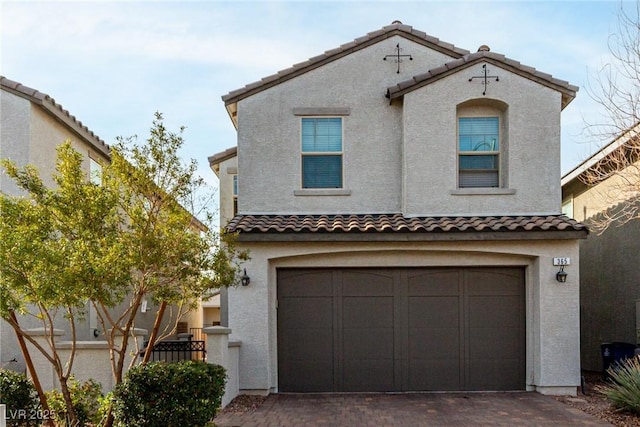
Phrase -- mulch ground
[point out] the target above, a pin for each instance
(594, 403)
(591, 401)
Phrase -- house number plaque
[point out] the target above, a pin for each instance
(562, 261)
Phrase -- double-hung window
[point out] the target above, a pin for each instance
(321, 152)
(95, 172)
(235, 195)
(478, 152)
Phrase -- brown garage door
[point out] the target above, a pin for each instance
(395, 329)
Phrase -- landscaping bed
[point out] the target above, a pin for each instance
(594, 403)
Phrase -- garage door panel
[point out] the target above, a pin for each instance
(306, 312)
(434, 344)
(308, 344)
(367, 312)
(492, 374)
(318, 376)
(436, 311)
(368, 375)
(305, 283)
(360, 344)
(494, 343)
(361, 283)
(434, 375)
(434, 282)
(495, 282)
(495, 311)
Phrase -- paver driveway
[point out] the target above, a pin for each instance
(415, 409)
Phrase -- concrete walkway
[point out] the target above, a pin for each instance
(415, 409)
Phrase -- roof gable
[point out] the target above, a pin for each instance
(568, 91)
(54, 109)
(395, 29)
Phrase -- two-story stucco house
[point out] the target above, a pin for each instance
(32, 125)
(401, 201)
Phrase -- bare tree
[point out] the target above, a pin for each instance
(616, 89)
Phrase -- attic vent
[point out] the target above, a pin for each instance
(396, 22)
(484, 48)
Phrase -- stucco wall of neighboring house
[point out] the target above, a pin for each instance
(530, 143)
(589, 201)
(552, 312)
(14, 135)
(610, 279)
(610, 286)
(30, 136)
(372, 135)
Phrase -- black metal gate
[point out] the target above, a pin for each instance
(177, 350)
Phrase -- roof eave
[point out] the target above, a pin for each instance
(568, 92)
(54, 109)
(410, 236)
(344, 50)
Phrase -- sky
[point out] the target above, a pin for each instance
(113, 64)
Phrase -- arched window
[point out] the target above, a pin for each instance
(481, 144)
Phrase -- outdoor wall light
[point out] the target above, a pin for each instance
(245, 280)
(561, 276)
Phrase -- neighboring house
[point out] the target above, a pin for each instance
(32, 125)
(609, 274)
(400, 198)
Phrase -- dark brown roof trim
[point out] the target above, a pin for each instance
(222, 156)
(388, 31)
(396, 227)
(499, 60)
(53, 108)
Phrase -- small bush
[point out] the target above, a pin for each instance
(623, 388)
(86, 398)
(19, 394)
(169, 394)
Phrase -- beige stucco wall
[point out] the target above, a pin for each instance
(530, 145)
(590, 201)
(30, 135)
(610, 279)
(269, 133)
(399, 157)
(552, 318)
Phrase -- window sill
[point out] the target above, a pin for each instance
(322, 192)
(482, 192)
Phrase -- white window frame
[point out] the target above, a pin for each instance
(323, 153)
(496, 153)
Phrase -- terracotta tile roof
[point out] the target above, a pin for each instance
(568, 90)
(395, 28)
(56, 110)
(397, 223)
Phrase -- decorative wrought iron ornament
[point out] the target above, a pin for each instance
(397, 57)
(485, 78)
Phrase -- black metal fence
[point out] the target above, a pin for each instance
(177, 350)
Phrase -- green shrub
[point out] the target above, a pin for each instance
(623, 388)
(169, 394)
(86, 398)
(19, 394)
